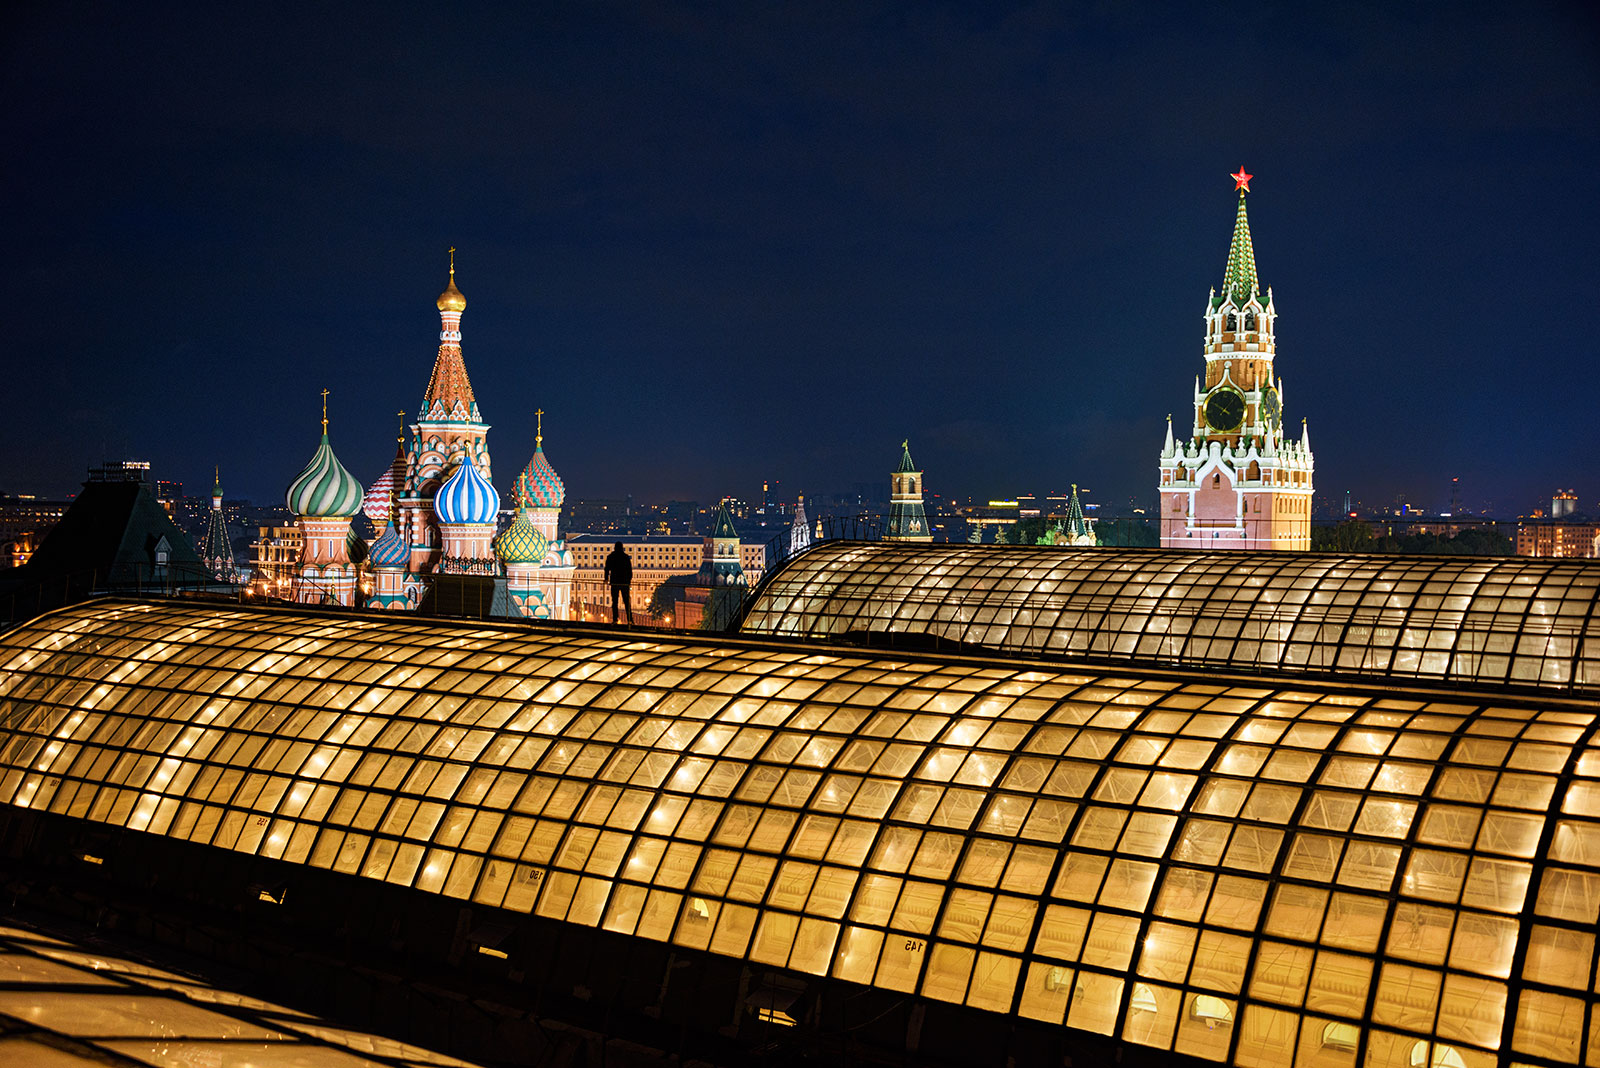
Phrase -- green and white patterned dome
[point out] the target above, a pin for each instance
(325, 489)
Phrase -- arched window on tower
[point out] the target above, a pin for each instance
(1216, 480)
(1233, 321)
(1249, 320)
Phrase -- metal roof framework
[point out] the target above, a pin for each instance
(1481, 621)
(1244, 871)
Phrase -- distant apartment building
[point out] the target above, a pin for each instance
(274, 557)
(655, 559)
(24, 521)
(1564, 503)
(1558, 538)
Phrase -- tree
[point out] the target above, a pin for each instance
(1350, 536)
(1128, 533)
(667, 595)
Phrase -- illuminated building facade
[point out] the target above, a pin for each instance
(24, 523)
(274, 557)
(1572, 539)
(1239, 482)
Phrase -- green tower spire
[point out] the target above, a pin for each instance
(1076, 526)
(1240, 282)
(908, 520)
(905, 459)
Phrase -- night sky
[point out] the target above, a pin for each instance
(721, 243)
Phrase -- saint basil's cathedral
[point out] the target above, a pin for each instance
(435, 508)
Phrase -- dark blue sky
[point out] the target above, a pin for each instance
(724, 242)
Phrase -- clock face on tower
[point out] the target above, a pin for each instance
(1225, 410)
(1271, 406)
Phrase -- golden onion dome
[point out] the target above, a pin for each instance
(451, 299)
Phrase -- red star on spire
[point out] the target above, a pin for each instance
(1241, 180)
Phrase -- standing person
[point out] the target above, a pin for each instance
(619, 572)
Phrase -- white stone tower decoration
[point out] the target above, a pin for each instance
(800, 531)
(1238, 483)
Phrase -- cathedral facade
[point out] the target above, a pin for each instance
(435, 507)
(1239, 482)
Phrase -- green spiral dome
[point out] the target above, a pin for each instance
(324, 489)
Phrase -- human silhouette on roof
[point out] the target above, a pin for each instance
(619, 572)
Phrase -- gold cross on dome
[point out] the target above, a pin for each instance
(452, 261)
(538, 437)
(401, 437)
(324, 411)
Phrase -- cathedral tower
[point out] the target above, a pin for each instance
(907, 519)
(215, 550)
(324, 498)
(466, 507)
(546, 583)
(379, 506)
(448, 432)
(522, 548)
(1238, 483)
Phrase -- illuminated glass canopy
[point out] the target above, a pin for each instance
(1250, 872)
(1478, 620)
(64, 1005)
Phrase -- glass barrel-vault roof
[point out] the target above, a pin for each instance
(1315, 873)
(65, 1004)
(1476, 620)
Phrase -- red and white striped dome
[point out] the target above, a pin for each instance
(380, 498)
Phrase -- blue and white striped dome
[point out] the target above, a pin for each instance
(466, 497)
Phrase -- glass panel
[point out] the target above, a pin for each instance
(1339, 984)
(1095, 1001)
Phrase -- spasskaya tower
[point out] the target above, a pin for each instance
(1238, 482)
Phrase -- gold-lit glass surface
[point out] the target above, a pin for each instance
(65, 1004)
(1479, 620)
(1247, 871)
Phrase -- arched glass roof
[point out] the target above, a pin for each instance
(1252, 872)
(68, 1005)
(1476, 620)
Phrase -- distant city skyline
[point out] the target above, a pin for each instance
(716, 249)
